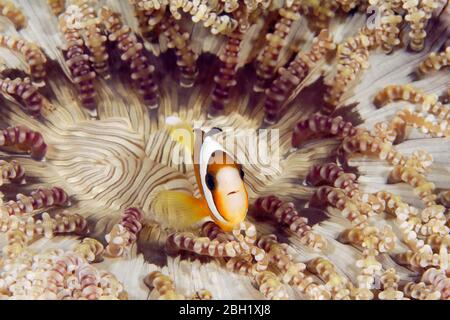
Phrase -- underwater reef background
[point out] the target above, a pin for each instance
(358, 208)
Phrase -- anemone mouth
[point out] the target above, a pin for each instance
(119, 155)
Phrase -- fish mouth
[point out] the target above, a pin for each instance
(232, 192)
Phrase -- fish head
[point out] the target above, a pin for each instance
(225, 181)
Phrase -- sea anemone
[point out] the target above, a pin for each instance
(351, 204)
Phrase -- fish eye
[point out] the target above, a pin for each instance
(210, 181)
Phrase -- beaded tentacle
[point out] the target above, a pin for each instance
(367, 144)
(361, 235)
(348, 5)
(292, 272)
(150, 4)
(233, 247)
(373, 242)
(57, 6)
(418, 15)
(352, 58)
(276, 252)
(12, 172)
(390, 23)
(200, 12)
(186, 57)
(285, 214)
(23, 91)
(24, 139)
(17, 243)
(94, 38)
(428, 103)
(426, 123)
(428, 225)
(405, 216)
(319, 13)
(78, 61)
(9, 10)
(387, 132)
(214, 232)
(112, 288)
(318, 125)
(434, 221)
(132, 221)
(421, 291)
(390, 280)
(241, 265)
(69, 223)
(336, 198)
(245, 232)
(337, 284)
(438, 279)
(409, 170)
(270, 286)
(404, 92)
(295, 276)
(225, 79)
(204, 246)
(298, 69)
(437, 241)
(434, 62)
(422, 187)
(268, 59)
(148, 17)
(64, 223)
(54, 274)
(202, 295)
(124, 233)
(424, 257)
(89, 280)
(59, 269)
(435, 123)
(118, 239)
(40, 199)
(90, 249)
(444, 198)
(133, 53)
(33, 55)
(332, 174)
(369, 269)
(163, 285)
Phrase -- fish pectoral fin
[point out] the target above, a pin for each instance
(178, 210)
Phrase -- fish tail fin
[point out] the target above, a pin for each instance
(178, 210)
(181, 131)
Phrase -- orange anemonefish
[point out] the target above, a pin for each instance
(220, 180)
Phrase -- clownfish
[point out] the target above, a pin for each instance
(220, 180)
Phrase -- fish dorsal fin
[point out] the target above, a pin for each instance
(181, 132)
(213, 132)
